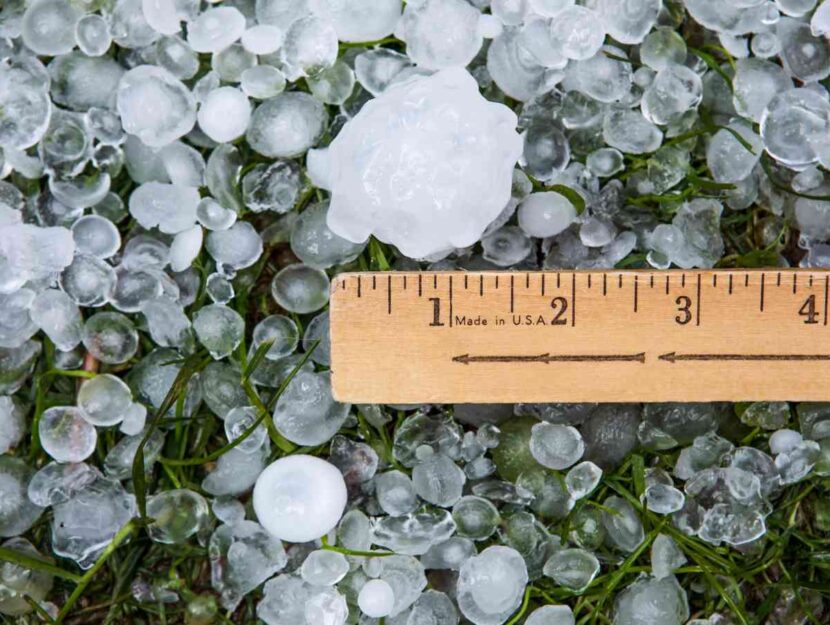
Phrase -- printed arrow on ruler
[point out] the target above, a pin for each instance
(674, 357)
(466, 359)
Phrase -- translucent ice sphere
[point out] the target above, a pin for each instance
(425, 166)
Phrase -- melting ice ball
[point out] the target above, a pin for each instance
(426, 166)
(299, 498)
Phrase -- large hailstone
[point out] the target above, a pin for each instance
(300, 498)
(426, 166)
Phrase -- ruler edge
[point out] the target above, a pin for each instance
(334, 289)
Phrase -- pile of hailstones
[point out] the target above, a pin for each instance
(135, 136)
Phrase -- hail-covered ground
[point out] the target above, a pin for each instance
(180, 181)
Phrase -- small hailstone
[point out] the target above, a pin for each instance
(579, 31)
(359, 20)
(792, 124)
(66, 435)
(582, 479)
(262, 39)
(213, 216)
(374, 193)
(219, 289)
(299, 498)
(664, 498)
(171, 208)
(556, 446)
(622, 524)
(286, 125)
(219, 328)
(301, 289)
(316, 245)
(104, 400)
(784, 441)
(376, 599)
(262, 82)
(281, 332)
(12, 423)
(306, 413)
(310, 46)
(48, 27)
(185, 248)
(55, 313)
(574, 569)
(96, 236)
(324, 568)
(395, 493)
(666, 556)
(652, 602)
(438, 480)
(110, 337)
(675, 90)
(134, 419)
(491, 585)
(236, 247)
(92, 35)
(228, 510)
(215, 29)
(551, 615)
(240, 419)
(88, 280)
(224, 114)
(154, 105)
(628, 21)
(440, 33)
(177, 515)
(545, 214)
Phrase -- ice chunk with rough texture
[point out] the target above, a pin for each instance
(215, 29)
(299, 498)
(306, 413)
(17, 512)
(25, 107)
(426, 166)
(12, 423)
(242, 556)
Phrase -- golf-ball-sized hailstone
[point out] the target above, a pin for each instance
(425, 166)
(299, 498)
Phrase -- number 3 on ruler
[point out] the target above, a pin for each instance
(684, 306)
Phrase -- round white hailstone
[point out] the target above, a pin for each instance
(48, 27)
(224, 114)
(262, 39)
(166, 16)
(545, 214)
(185, 248)
(434, 183)
(299, 498)
(215, 29)
(376, 598)
(359, 20)
(154, 105)
(318, 168)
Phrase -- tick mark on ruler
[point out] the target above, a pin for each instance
(358, 286)
(795, 282)
(389, 295)
(465, 282)
(511, 293)
(451, 315)
(374, 282)
(715, 280)
(636, 286)
(543, 284)
(420, 285)
(573, 299)
(746, 280)
(651, 282)
(619, 281)
(811, 281)
(604, 284)
(589, 280)
(762, 292)
(481, 285)
(667, 285)
(730, 284)
(697, 312)
(826, 288)
(778, 279)
(435, 281)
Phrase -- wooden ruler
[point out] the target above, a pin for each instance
(580, 336)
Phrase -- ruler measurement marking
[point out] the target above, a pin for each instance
(651, 282)
(465, 281)
(636, 282)
(481, 285)
(389, 295)
(511, 293)
(557, 280)
(420, 285)
(778, 279)
(715, 281)
(811, 281)
(795, 282)
(374, 283)
(573, 299)
(435, 281)
(589, 280)
(543, 285)
(527, 280)
(358, 286)
(619, 281)
(667, 284)
(497, 283)
(404, 283)
(683, 281)
(826, 288)
(730, 284)
(762, 292)
(450, 301)
(697, 308)
(605, 284)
